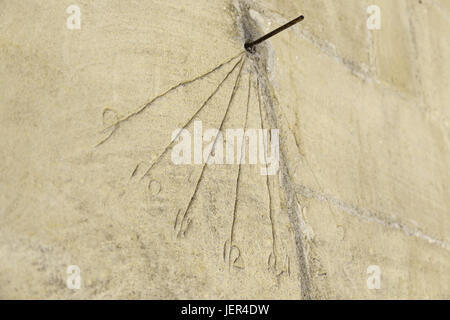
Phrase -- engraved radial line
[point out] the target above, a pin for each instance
(215, 139)
(169, 147)
(305, 277)
(267, 176)
(239, 169)
(148, 104)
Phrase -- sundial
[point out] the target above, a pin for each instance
(242, 96)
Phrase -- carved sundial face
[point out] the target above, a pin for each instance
(230, 216)
(189, 150)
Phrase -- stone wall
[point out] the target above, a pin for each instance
(87, 173)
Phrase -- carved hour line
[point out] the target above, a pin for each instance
(184, 225)
(181, 222)
(170, 146)
(238, 178)
(135, 171)
(267, 181)
(176, 220)
(185, 229)
(286, 268)
(238, 78)
(116, 125)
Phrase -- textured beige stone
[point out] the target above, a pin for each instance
(364, 139)
(433, 48)
(393, 46)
